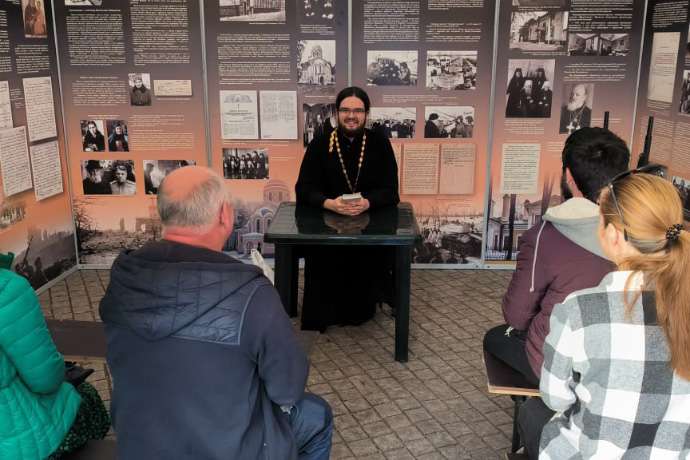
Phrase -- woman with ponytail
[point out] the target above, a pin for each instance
(616, 374)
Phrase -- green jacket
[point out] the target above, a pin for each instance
(37, 407)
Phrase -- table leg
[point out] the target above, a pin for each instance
(287, 270)
(401, 290)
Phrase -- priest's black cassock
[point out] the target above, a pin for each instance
(342, 284)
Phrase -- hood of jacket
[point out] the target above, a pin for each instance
(577, 219)
(156, 299)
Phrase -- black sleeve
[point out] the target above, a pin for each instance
(310, 183)
(386, 191)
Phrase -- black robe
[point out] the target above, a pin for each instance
(342, 284)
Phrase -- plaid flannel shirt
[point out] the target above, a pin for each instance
(608, 377)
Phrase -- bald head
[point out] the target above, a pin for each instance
(191, 197)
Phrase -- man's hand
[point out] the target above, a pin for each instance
(347, 208)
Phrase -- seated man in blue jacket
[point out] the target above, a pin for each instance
(204, 360)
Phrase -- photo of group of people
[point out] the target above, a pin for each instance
(598, 44)
(34, 15)
(392, 68)
(530, 88)
(156, 170)
(245, 163)
(393, 122)
(540, 31)
(108, 177)
(319, 120)
(319, 9)
(683, 187)
(93, 138)
(448, 70)
(139, 89)
(252, 10)
(316, 63)
(684, 107)
(449, 121)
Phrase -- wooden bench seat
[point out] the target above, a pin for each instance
(104, 449)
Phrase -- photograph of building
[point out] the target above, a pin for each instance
(598, 44)
(316, 62)
(539, 30)
(252, 10)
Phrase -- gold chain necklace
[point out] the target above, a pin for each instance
(334, 140)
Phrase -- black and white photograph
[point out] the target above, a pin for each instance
(598, 44)
(92, 135)
(448, 70)
(83, 2)
(252, 10)
(393, 122)
(319, 120)
(108, 177)
(318, 10)
(576, 111)
(34, 14)
(529, 93)
(449, 239)
(539, 30)
(139, 89)
(539, 3)
(316, 64)
(684, 106)
(392, 68)
(687, 46)
(156, 170)
(245, 163)
(118, 137)
(448, 121)
(682, 184)
(11, 213)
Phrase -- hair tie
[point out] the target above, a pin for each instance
(673, 232)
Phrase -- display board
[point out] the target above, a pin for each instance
(35, 214)
(560, 65)
(664, 91)
(134, 111)
(427, 66)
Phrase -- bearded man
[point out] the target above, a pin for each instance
(576, 114)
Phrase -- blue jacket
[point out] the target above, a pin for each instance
(202, 356)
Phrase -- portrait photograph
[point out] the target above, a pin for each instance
(598, 44)
(393, 122)
(449, 70)
(252, 10)
(34, 15)
(245, 163)
(576, 111)
(92, 135)
(139, 89)
(316, 63)
(108, 177)
(448, 121)
(684, 106)
(392, 68)
(118, 137)
(540, 31)
(156, 170)
(529, 91)
(319, 120)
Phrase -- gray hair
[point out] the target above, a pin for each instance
(198, 208)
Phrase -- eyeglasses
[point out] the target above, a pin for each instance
(346, 111)
(654, 169)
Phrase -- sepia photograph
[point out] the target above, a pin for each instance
(318, 10)
(252, 10)
(683, 186)
(316, 63)
(451, 70)
(34, 14)
(118, 138)
(245, 163)
(108, 177)
(539, 30)
(530, 88)
(139, 89)
(156, 170)
(83, 2)
(319, 120)
(684, 106)
(392, 68)
(576, 111)
(11, 213)
(598, 44)
(449, 238)
(92, 137)
(393, 122)
(448, 121)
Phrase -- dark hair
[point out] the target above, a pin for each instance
(353, 91)
(433, 116)
(594, 156)
(92, 165)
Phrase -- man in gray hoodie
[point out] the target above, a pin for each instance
(559, 255)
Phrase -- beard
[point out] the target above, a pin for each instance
(355, 132)
(574, 105)
(566, 193)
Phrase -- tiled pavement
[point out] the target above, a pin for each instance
(433, 407)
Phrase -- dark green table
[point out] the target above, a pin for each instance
(294, 227)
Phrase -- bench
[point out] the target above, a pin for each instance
(104, 449)
(78, 340)
(504, 380)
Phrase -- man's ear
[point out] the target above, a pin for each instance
(227, 214)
